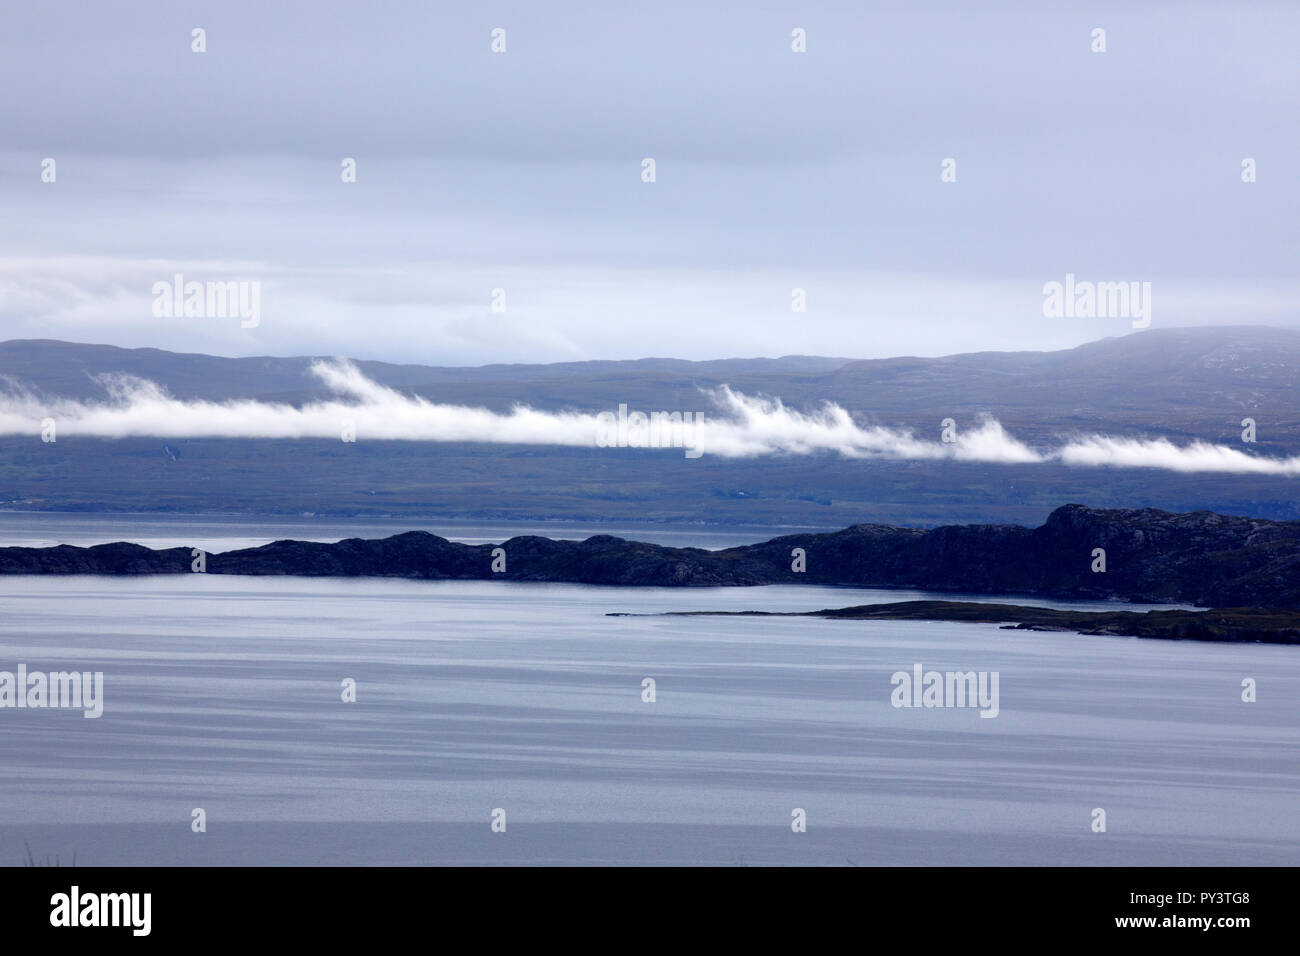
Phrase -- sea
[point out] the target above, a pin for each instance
(307, 721)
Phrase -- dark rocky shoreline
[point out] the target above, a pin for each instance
(1200, 558)
(1232, 625)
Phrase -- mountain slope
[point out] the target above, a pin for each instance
(1180, 384)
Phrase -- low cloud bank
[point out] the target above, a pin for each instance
(737, 426)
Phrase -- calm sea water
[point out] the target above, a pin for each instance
(224, 693)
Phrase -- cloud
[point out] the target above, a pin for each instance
(735, 426)
(750, 427)
(1199, 456)
(478, 171)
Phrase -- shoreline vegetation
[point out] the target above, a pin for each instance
(1230, 625)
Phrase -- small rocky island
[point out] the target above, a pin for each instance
(1232, 625)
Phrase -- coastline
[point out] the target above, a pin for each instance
(1222, 625)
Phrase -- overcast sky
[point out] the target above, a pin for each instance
(522, 171)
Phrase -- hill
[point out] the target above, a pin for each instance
(1150, 557)
(1182, 384)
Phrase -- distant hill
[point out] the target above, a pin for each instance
(1181, 384)
(1151, 557)
(68, 369)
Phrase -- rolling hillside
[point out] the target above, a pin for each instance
(1176, 383)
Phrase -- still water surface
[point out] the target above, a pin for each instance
(224, 693)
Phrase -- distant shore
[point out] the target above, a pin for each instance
(1228, 625)
(1142, 556)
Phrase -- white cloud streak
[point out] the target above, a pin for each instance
(737, 426)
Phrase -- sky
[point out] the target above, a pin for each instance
(522, 171)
